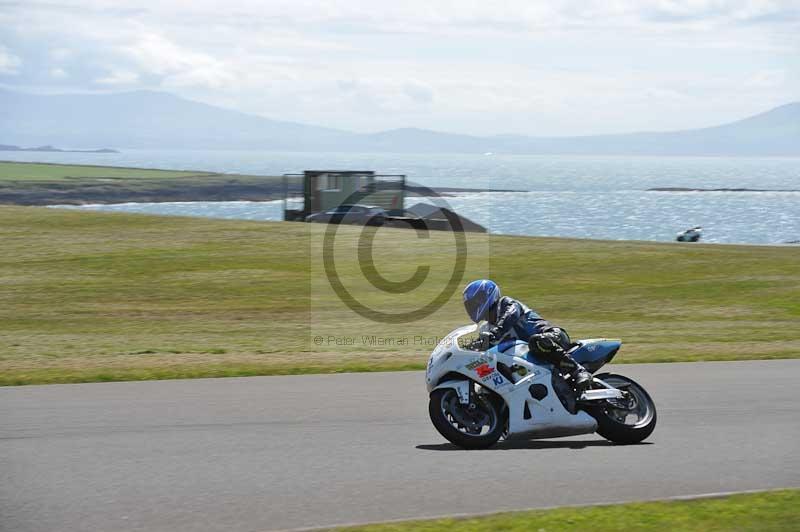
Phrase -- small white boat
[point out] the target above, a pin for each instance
(690, 235)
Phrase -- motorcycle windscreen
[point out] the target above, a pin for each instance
(594, 355)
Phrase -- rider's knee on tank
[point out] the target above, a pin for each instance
(550, 345)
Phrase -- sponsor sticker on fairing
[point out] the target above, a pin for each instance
(498, 380)
(484, 370)
(477, 362)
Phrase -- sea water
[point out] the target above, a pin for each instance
(566, 196)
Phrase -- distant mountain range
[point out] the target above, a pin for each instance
(51, 149)
(147, 119)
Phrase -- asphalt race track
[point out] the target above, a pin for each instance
(286, 452)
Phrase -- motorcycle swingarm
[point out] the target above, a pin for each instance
(608, 386)
(594, 395)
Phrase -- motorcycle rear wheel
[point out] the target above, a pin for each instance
(627, 421)
(477, 425)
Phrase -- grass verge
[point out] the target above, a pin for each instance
(61, 184)
(773, 510)
(22, 171)
(87, 296)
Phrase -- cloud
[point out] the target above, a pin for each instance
(9, 63)
(61, 54)
(480, 17)
(418, 92)
(532, 67)
(177, 66)
(119, 77)
(767, 78)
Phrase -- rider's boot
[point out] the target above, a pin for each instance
(580, 376)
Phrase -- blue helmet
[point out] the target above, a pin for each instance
(479, 297)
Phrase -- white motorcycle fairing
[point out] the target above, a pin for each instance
(534, 407)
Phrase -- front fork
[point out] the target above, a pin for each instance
(463, 389)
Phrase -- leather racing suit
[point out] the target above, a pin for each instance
(513, 319)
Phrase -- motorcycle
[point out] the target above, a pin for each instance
(478, 397)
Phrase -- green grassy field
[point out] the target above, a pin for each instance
(17, 171)
(759, 512)
(56, 184)
(88, 296)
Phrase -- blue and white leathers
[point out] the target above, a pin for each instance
(513, 319)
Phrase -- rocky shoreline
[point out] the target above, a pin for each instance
(686, 189)
(208, 188)
(140, 191)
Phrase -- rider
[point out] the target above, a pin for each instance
(510, 318)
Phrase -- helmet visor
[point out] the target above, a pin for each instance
(475, 308)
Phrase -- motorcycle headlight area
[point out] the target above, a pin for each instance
(439, 357)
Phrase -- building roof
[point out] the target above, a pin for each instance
(425, 210)
(428, 211)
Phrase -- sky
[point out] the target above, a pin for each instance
(476, 67)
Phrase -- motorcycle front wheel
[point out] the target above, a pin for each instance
(476, 425)
(627, 420)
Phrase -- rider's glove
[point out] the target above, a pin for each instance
(486, 340)
(483, 342)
